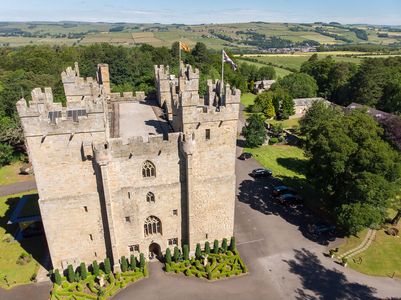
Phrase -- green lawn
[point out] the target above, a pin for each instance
(280, 73)
(382, 258)
(290, 123)
(283, 160)
(10, 271)
(248, 99)
(10, 174)
(351, 242)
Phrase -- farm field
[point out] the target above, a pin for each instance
(280, 72)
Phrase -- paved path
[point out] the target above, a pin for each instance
(367, 241)
(18, 187)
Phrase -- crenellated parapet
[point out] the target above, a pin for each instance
(188, 79)
(127, 96)
(117, 148)
(41, 116)
(76, 87)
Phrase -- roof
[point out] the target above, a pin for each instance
(378, 114)
(308, 101)
(138, 118)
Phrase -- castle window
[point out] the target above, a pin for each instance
(173, 242)
(207, 134)
(150, 197)
(129, 195)
(128, 219)
(175, 212)
(152, 226)
(91, 237)
(148, 169)
(133, 248)
(95, 254)
(207, 236)
(85, 208)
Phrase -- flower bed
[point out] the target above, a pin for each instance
(87, 286)
(216, 264)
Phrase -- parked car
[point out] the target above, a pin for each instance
(319, 228)
(261, 173)
(245, 155)
(290, 199)
(281, 190)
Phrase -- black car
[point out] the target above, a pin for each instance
(290, 199)
(281, 190)
(261, 173)
(245, 155)
(321, 228)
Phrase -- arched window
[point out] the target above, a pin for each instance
(150, 197)
(152, 226)
(148, 169)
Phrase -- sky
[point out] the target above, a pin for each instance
(385, 12)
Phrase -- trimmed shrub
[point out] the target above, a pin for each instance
(273, 140)
(168, 268)
(216, 247)
(176, 254)
(207, 248)
(185, 252)
(57, 277)
(107, 266)
(168, 256)
(224, 245)
(80, 288)
(95, 268)
(233, 246)
(132, 262)
(124, 264)
(209, 275)
(141, 261)
(83, 271)
(198, 251)
(70, 274)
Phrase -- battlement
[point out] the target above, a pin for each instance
(76, 87)
(136, 146)
(127, 96)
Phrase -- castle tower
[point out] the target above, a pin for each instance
(166, 85)
(210, 131)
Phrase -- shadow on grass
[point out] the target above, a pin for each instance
(323, 282)
(34, 245)
(293, 164)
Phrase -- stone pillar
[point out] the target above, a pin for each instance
(109, 210)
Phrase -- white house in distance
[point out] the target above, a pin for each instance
(301, 105)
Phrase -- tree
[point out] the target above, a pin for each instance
(216, 247)
(83, 271)
(233, 246)
(168, 256)
(124, 264)
(266, 73)
(176, 254)
(198, 251)
(264, 104)
(57, 277)
(299, 85)
(255, 131)
(70, 274)
(207, 247)
(283, 103)
(224, 245)
(132, 262)
(185, 252)
(107, 266)
(351, 165)
(141, 261)
(6, 154)
(95, 268)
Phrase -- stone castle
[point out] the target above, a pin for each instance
(123, 174)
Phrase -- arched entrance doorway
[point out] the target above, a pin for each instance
(155, 251)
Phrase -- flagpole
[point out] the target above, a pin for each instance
(222, 75)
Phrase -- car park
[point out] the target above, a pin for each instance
(261, 172)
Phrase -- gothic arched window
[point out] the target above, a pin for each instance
(150, 197)
(148, 169)
(152, 226)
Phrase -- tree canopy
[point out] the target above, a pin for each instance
(299, 85)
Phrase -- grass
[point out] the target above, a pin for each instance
(290, 123)
(11, 273)
(382, 258)
(351, 242)
(283, 160)
(10, 174)
(248, 99)
(280, 73)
